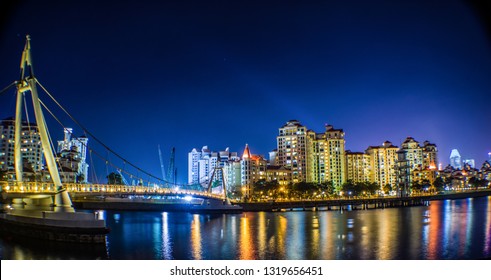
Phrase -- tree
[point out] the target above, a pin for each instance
(417, 187)
(371, 187)
(426, 184)
(387, 188)
(349, 188)
(305, 190)
(439, 184)
(327, 188)
(478, 183)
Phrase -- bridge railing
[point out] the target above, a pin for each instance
(102, 189)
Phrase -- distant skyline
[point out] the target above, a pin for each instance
(186, 74)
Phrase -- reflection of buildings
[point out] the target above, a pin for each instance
(72, 155)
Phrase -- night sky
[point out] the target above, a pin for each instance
(225, 73)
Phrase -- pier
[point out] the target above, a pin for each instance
(357, 204)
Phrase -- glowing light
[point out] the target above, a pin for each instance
(188, 198)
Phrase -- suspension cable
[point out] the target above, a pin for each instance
(162, 181)
(8, 87)
(94, 137)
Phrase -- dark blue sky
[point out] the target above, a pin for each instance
(226, 73)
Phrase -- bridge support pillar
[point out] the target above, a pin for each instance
(18, 203)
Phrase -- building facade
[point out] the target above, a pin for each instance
(201, 165)
(326, 157)
(455, 159)
(382, 161)
(72, 158)
(252, 169)
(358, 167)
(31, 149)
(415, 164)
(293, 149)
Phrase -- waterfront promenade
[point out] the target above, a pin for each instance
(359, 203)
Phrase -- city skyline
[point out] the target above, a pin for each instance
(227, 74)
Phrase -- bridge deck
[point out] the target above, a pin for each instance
(12, 190)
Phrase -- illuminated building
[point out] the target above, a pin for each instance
(357, 167)
(201, 164)
(72, 155)
(455, 159)
(280, 174)
(30, 146)
(292, 146)
(193, 166)
(331, 158)
(430, 155)
(252, 169)
(485, 171)
(233, 178)
(382, 160)
(415, 163)
(272, 157)
(470, 162)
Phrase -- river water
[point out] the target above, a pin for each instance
(450, 229)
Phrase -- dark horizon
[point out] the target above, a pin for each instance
(186, 74)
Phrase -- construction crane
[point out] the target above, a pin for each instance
(161, 164)
(122, 177)
(172, 171)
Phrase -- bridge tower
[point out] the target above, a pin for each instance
(213, 174)
(62, 201)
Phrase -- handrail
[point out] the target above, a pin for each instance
(49, 188)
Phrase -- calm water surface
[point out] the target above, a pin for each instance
(451, 229)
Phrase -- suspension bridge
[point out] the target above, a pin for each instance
(57, 194)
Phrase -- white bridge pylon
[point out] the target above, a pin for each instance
(62, 201)
(213, 174)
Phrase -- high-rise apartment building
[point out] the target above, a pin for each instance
(202, 164)
(358, 167)
(72, 158)
(252, 169)
(31, 149)
(382, 161)
(455, 159)
(415, 163)
(430, 155)
(326, 159)
(292, 149)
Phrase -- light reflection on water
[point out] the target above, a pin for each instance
(459, 229)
